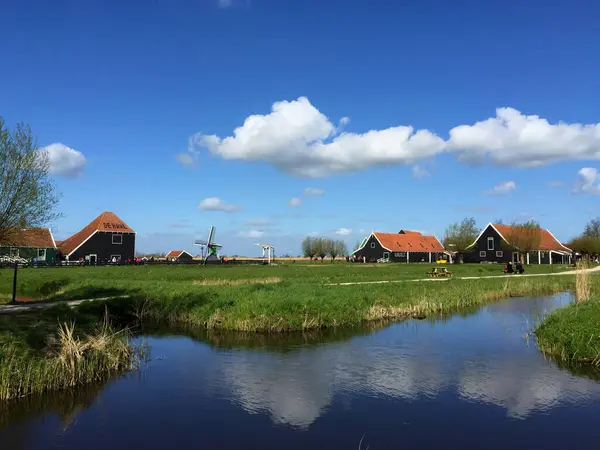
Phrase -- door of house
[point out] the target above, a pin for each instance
(386, 255)
(93, 259)
(515, 257)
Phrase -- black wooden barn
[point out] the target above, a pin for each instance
(106, 239)
(406, 246)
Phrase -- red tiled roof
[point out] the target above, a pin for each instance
(410, 242)
(547, 241)
(174, 253)
(409, 232)
(107, 221)
(29, 237)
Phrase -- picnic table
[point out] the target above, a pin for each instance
(439, 272)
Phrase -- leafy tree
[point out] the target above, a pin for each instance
(586, 245)
(524, 237)
(592, 228)
(460, 235)
(309, 247)
(27, 195)
(322, 247)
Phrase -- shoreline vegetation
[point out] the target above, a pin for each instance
(61, 347)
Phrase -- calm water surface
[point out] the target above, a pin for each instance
(469, 381)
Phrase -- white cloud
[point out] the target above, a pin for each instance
(514, 139)
(588, 182)
(314, 191)
(216, 204)
(64, 161)
(259, 222)
(343, 231)
(503, 188)
(185, 159)
(419, 172)
(297, 138)
(251, 234)
(295, 202)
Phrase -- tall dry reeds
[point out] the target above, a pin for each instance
(583, 283)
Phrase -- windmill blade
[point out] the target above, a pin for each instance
(211, 234)
(200, 242)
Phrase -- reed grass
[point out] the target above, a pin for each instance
(69, 358)
(583, 282)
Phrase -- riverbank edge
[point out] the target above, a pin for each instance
(570, 334)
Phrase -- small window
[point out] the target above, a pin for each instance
(386, 255)
(490, 242)
(41, 253)
(372, 244)
(115, 258)
(117, 238)
(14, 252)
(499, 254)
(482, 254)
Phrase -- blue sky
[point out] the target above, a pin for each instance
(140, 97)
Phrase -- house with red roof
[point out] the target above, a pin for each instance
(105, 239)
(31, 244)
(496, 244)
(179, 255)
(405, 246)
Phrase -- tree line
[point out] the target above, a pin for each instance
(323, 247)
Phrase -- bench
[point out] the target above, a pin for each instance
(439, 272)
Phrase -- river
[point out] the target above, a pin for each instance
(472, 380)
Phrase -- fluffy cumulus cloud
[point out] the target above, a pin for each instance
(343, 231)
(295, 202)
(314, 191)
(299, 139)
(514, 139)
(588, 181)
(64, 161)
(503, 188)
(216, 204)
(419, 172)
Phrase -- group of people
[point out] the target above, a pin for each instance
(518, 268)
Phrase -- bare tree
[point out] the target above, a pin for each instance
(524, 237)
(337, 248)
(27, 194)
(459, 236)
(322, 247)
(309, 247)
(592, 228)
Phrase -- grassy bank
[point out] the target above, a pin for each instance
(299, 306)
(45, 351)
(52, 284)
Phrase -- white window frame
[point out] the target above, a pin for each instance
(386, 253)
(14, 252)
(372, 244)
(115, 256)
(113, 239)
(41, 253)
(499, 254)
(482, 254)
(490, 247)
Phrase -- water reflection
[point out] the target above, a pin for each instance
(324, 389)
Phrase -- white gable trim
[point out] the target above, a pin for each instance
(388, 249)
(86, 239)
(559, 243)
(484, 230)
(52, 236)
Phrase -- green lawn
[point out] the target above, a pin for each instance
(89, 282)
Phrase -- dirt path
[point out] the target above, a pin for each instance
(22, 307)
(567, 272)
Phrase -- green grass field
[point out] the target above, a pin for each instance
(91, 282)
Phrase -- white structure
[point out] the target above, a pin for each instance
(266, 248)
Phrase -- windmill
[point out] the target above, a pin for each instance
(210, 246)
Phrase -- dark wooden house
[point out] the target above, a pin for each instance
(33, 244)
(493, 246)
(179, 255)
(105, 239)
(399, 247)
